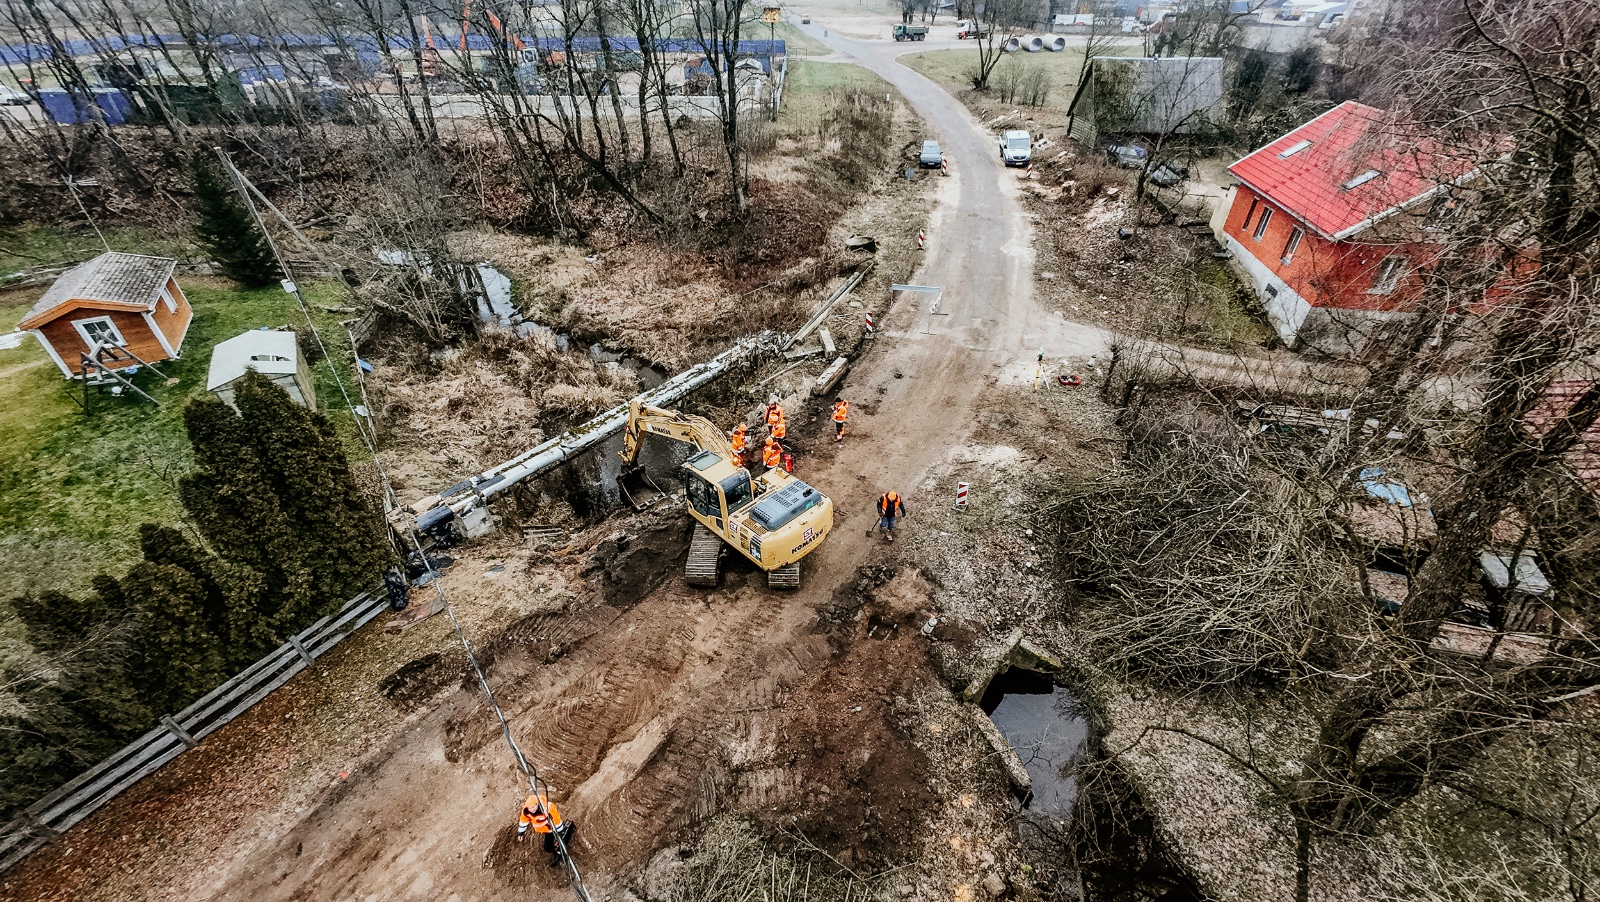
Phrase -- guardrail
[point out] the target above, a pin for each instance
(57, 812)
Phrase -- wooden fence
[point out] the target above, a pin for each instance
(55, 813)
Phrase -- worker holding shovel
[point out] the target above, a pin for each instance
(890, 506)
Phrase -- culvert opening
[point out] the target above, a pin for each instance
(1045, 724)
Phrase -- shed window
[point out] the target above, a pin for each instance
(100, 330)
(1293, 245)
(1389, 272)
(1261, 226)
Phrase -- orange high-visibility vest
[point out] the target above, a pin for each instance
(840, 411)
(780, 429)
(772, 455)
(542, 820)
(889, 504)
(774, 413)
(739, 439)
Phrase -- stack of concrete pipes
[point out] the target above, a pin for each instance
(1034, 43)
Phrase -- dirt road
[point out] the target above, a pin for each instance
(635, 726)
(645, 717)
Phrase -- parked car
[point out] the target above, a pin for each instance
(1016, 147)
(12, 97)
(931, 156)
(805, 21)
(1168, 176)
(910, 32)
(1128, 156)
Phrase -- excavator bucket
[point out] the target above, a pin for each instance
(638, 489)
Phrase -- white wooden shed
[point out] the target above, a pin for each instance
(274, 353)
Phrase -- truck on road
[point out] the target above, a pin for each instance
(968, 28)
(911, 32)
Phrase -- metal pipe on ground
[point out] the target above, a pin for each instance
(476, 490)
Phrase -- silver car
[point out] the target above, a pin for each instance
(1016, 147)
(931, 157)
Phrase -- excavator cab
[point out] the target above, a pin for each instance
(715, 499)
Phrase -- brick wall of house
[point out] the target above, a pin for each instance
(1327, 274)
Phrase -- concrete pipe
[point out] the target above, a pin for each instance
(1012, 45)
(1033, 43)
(1055, 43)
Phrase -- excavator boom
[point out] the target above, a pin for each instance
(676, 425)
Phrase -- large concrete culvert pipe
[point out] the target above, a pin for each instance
(1055, 43)
(1033, 43)
(1012, 45)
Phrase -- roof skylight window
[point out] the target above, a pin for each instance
(1291, 151)
(1361, 179)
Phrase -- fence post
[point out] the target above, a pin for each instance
(304, 655)
(180, 732)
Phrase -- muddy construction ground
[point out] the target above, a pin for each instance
(822, 725)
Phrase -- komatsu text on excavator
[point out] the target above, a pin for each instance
(774, 519)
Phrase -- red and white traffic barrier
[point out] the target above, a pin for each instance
(922, 238)
(944, 167)
(870, 328)
(961, 496)
(1030, 171)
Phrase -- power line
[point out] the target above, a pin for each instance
(246, 189)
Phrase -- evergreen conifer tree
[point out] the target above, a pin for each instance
(339, 535)
(272, 493)
(177, 658)
(226, 228)
(235, 506)
(232, 593)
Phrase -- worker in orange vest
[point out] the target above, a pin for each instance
(540, 813)
(841, 409)
(772, 453)
(890, 506)
(779, 430)
(740, 439)
(774, 412)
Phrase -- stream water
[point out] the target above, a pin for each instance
(496, 306)
(1041, 721)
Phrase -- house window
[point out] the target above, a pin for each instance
(1389, 272)
(100, 330)
(1361, 179)
(1286, 154)
(1250, 213)
(1261, 226)
(1293, 245)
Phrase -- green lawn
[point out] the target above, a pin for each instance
(806, 87)
(74, 489)
(953, 69)
(22, 248)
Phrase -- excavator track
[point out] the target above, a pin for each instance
(786, 577)
(705, 553)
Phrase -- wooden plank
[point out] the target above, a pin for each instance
(131, 750)
(90, 797)
(827, 341)
(263, 670)
(70, 817)
(227, 709)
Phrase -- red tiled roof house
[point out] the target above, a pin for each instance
(1330, 223)
(127, 300)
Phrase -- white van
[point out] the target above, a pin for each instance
(1016, 147)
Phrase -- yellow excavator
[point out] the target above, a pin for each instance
(774, 519)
